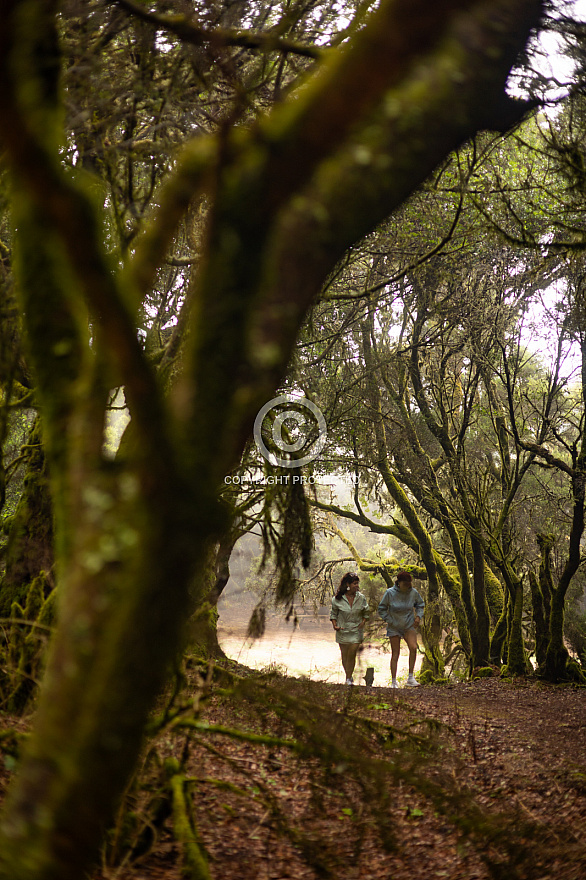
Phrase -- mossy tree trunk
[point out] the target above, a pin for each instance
(541, 590)
(203, 626)
(30, 538)
(516, 657)
(558, 665)
(482, 653)
(494, 594)
(289, 196)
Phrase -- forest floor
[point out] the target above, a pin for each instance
(298, 779)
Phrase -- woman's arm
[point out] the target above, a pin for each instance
(418, 608)
(384, 607)
(334, 616)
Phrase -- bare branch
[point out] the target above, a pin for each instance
(220, 38)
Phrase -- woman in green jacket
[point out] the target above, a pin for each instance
(349, 613)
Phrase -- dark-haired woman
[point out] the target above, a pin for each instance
(349, 613)
(401, 608)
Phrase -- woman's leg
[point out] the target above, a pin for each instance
(395, 651)
(352, 652)
(411, 639)
(349, 652)
(344, 653)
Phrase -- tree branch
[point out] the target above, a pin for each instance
(220, 38)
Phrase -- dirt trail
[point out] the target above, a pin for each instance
(518, 748)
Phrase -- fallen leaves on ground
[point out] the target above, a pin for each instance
(511, 752)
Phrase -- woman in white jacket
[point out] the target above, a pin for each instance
(401, 608)
(349, 613)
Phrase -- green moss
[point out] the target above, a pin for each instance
(575, 672)
(428, 677)
(433, 660)
(195, 864)
(35, 597)
(16, 611)
(203, 633)
(6, 524)
(22, 655)
(483, 672)
(494, 594)
(48, 611)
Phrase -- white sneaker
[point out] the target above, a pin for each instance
(394, 683)
(349, 681)
(411, 682)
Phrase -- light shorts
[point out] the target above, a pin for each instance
(391, 635)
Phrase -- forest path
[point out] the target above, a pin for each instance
(512, 752)
(552, 719)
